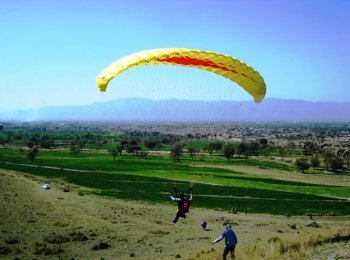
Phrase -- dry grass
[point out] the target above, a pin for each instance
(283, 248)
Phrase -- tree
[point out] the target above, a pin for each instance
(302, 164)
(133, 148)
(282, 151)
(31, 145)
(141, 154)
(33, 153)
(242, 149)
(217, 145)
(209, 147)
(74, 149)
(47, 144)
(192, 152)
(176, 152)
(150, 144)
(81, 144)
(114, 153)
(3, 141)
(229, 151)
(98, 144)
(263, 142)
(315, 162)
(124, 142)
(309, 148)
(254, 148)
(120, 148)
(347, 161)
(327, 157)
(134, 141)
(266, 150)
(337, 163)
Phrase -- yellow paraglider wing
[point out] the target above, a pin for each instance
(221, 64)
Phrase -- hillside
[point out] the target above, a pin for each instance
(44, 224)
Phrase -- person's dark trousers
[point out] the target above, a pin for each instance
(178, 215)
(227, 249)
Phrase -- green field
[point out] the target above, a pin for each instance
(152, 178)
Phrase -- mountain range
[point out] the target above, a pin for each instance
(147, 110)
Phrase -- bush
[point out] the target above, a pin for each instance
(101, 245)
(44, 249)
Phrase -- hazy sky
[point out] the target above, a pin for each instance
(52, 51)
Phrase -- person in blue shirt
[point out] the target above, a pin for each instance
(230, 241)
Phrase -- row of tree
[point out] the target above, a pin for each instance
(314, 155)
(330, 162)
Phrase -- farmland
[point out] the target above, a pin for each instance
(113, 177)
(86, 155)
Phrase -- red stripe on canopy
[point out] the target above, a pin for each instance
(195, 62)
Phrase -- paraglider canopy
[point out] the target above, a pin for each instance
(224, 65)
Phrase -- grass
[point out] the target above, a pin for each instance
(162, 167)
(152, 180)
(258, 162)
(215, 196)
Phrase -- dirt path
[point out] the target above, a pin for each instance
(68, 225)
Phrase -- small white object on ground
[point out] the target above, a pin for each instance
(45, 186)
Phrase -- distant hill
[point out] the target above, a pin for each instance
(147, 110)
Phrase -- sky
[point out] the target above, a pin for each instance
(52, 51)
